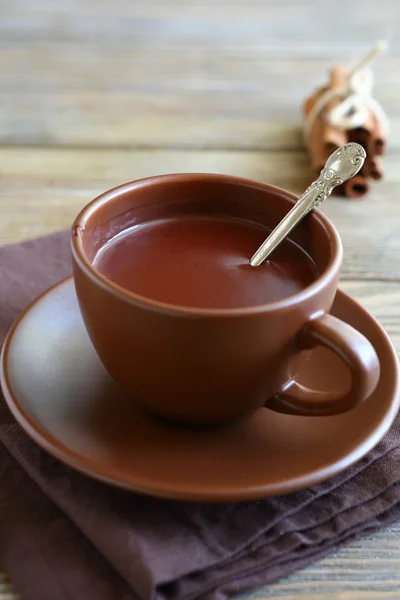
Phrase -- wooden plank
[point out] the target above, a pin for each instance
(181, 74)
(287, 26)
(381, 299)
(368, 569)
(43, 189)
(62, 93)
(7, 591)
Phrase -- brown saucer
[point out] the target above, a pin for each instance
(60, 394)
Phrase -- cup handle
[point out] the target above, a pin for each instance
(353, 348)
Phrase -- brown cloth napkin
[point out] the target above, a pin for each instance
(64, 536)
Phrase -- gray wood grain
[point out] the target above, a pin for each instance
(316, 27)
(182, 74)
(72, 95)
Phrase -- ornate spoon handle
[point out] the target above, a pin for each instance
(342, 164)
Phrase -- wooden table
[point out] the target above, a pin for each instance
(95, 93)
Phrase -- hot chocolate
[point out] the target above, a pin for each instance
(203, 262)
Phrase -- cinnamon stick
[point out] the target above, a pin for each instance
(373, 167)
(370, 135)
(315, 142)
(378, 140)
(356, 187)
(363, 135)
(325, 138)
(333, 137)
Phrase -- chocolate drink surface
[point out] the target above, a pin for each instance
(203, 262)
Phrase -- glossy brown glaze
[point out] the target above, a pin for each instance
(62, 396)
(203, 262)
(209, 366)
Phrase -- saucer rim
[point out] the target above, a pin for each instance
(95, 469)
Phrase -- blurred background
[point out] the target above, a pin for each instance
(95, 93)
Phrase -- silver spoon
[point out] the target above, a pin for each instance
(342, 164)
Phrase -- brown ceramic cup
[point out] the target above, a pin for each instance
(210, 366)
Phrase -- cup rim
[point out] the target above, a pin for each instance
(79, 255)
